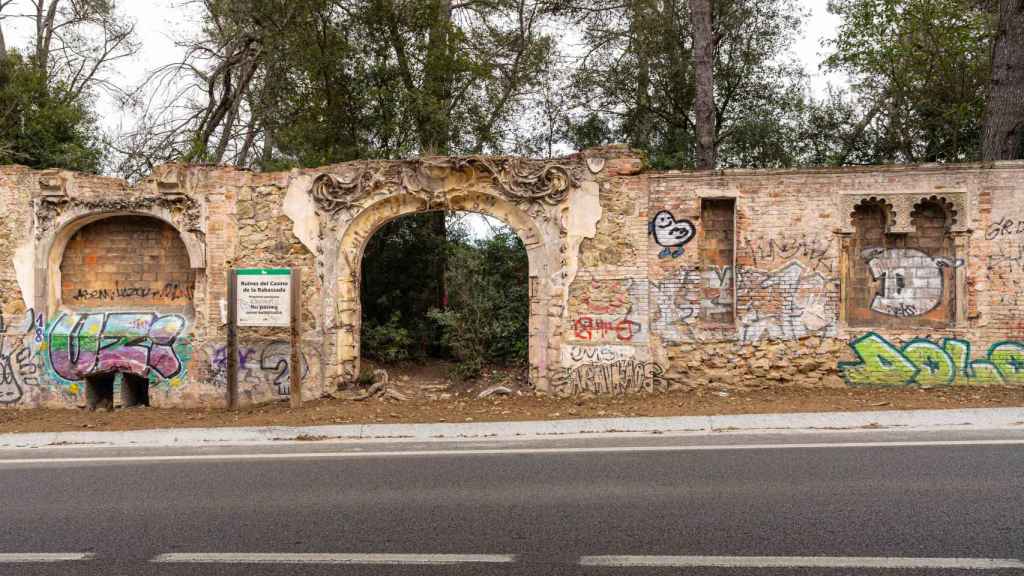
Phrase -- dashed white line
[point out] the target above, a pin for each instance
(33, 558)
(501, 452)
(284, 558)
(800, 562)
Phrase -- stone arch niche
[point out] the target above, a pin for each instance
(905, 254)
(550, 205)
(116, 283)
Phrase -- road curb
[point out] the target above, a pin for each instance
(988, 418)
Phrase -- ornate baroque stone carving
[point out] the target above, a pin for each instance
(900, 207)
(186, 209)
(432, 178)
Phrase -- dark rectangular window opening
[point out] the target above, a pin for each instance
(717, 249)
(99, 392)
(134, 391)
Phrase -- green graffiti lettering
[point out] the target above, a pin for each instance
(984, 373)
(960, 352)
(881, 364)
(936, 368)
(1008, 358)
(925, 363)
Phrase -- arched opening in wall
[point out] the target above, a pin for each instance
(445, 303)
(126, 294)
(906, 279)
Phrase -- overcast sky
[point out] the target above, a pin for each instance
(159, 22)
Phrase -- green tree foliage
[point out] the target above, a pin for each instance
(484, 319)
(635, 81)
(920, 71)
(276, 83)
(39, 129)
(48, 87)
(400, 285)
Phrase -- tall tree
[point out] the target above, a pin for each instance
(704, 46)
(41, 130)
(919, 71)
(1004, 121)
(317, 81)
(635, 80)
(49, 86)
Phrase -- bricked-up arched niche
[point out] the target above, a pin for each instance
(904, 279)
(371, 219)
(120, 289)
(127, 263)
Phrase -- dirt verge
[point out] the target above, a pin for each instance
(465, 407)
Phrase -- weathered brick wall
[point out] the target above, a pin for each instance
(607, 326)
(797, 265)
(127, 261)
(891, 276)
(265, 240)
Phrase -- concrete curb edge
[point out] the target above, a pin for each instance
(985, 418)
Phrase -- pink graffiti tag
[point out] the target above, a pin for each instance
(83, 345)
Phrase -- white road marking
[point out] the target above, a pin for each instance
(501, 452)
(32, 558)
(410, 559)
(800, 562)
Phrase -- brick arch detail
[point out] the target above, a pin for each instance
(55, 240)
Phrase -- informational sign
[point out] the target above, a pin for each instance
(264, 296)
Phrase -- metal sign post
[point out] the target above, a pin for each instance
(295, 364)
(232, 340)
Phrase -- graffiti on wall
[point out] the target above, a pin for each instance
(717, 290)
(148, 344)
(925, 363)
(618, 377)
(911, 282)
(789, 303)
(814, 251)
(18, 370)
(677, 301)
(575, 355)
(265, 364)
(170, 292)
(1008, 257)
(786, 304)
(1004, 228)
(671, 234)
(597, 328)
(603, 297)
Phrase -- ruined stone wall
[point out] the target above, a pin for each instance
(890, 276)
(639, 281)
(607, 327)
(102, 278)
(265, 239)
(20, 374)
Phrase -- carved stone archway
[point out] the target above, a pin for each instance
(541, 201)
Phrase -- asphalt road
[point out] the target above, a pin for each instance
(606, 506)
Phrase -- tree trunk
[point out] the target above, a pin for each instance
(436, 136)
(641, 132)
(1004, 121)
(703, 66)
(44, 33)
